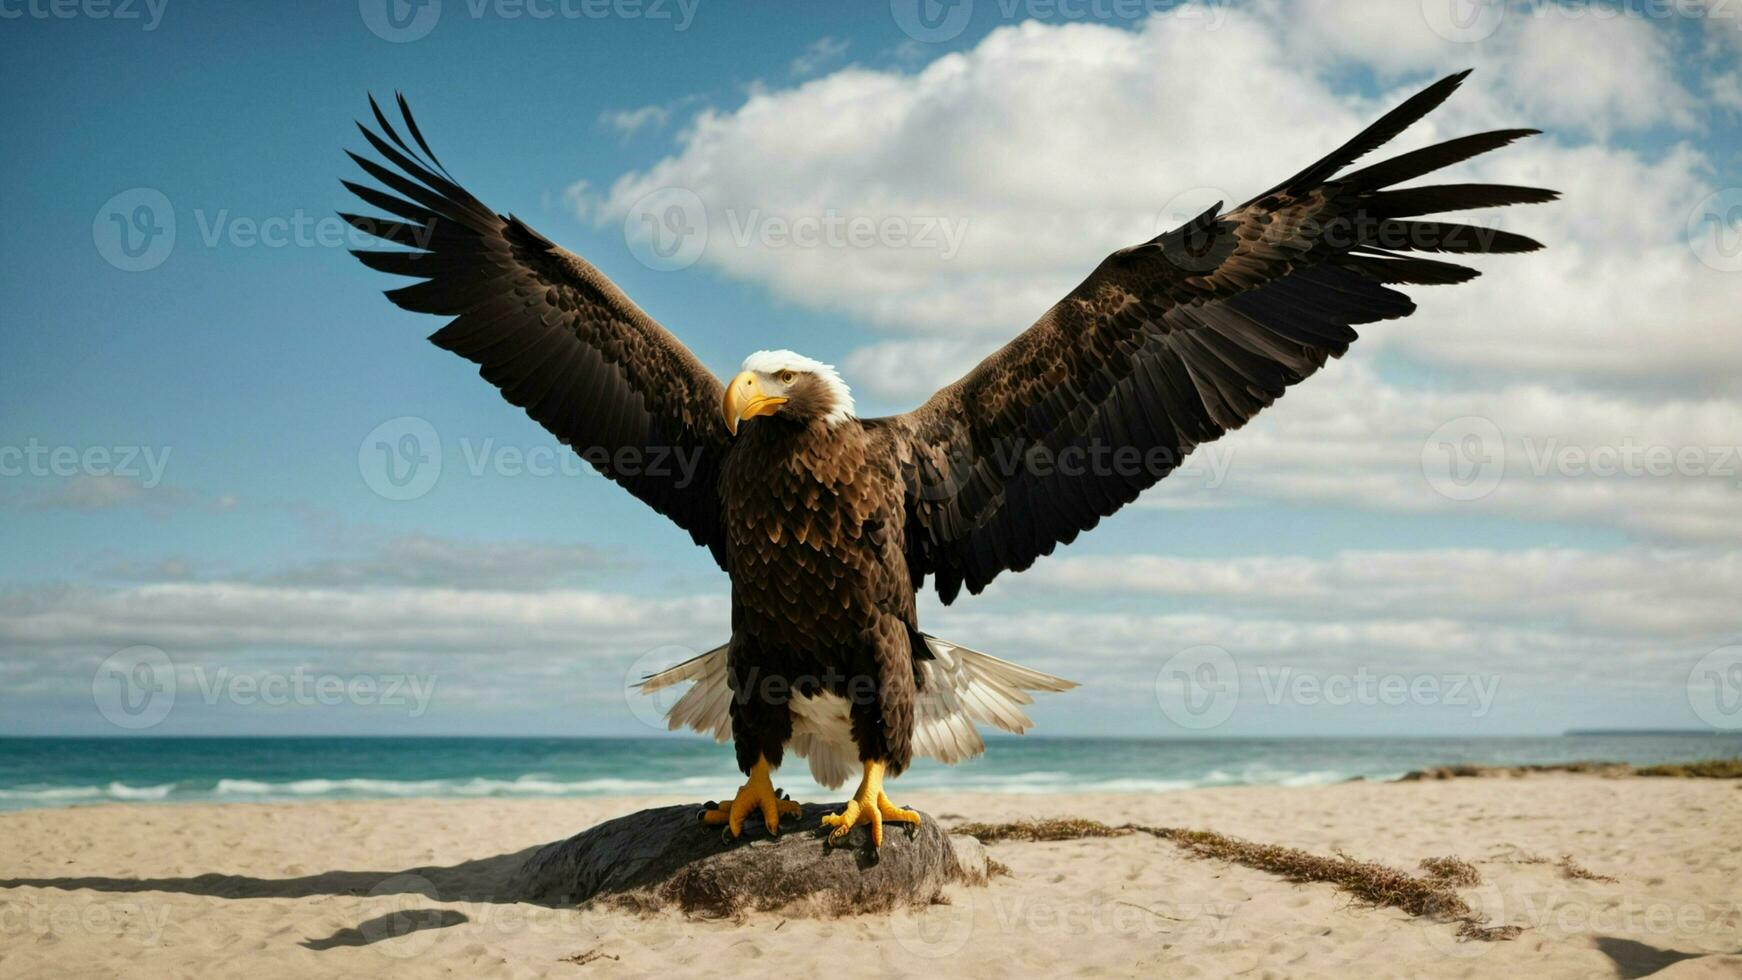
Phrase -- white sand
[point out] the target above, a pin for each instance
(309, 890)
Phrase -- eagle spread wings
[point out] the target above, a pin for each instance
(1166, 345)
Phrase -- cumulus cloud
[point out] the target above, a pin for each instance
(1665, 470)
(1668, 597)
(1053, 145)
(1541, 623)
(232, 617)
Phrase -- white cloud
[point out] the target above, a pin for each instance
(631, 121)
(1662, 469)
(1581, 66)
(1668, 597)
(425, 560)
(1054, 145)
(217, 616)
(818, 54)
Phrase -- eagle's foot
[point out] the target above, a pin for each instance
(757, 794)
(869, 805)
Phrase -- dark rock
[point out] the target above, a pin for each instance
(666, 858)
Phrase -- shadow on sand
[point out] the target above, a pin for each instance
(491, 880)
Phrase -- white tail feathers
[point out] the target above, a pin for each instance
(959, 688)
(706, 707)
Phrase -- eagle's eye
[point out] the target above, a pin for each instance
(786, 377)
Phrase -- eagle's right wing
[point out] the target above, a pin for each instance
(558, 338)
(1171, 343)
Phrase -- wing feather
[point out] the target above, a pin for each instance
(549, 330)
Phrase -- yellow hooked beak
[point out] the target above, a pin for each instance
(745, 399)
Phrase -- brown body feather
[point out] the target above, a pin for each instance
(821, 597)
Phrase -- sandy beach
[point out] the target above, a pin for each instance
(420, 887)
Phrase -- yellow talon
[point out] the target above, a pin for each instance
(758, 793)
(868, 805)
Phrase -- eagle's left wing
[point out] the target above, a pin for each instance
(1170, 344)
(551, 331)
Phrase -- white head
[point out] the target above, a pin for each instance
(780, 382)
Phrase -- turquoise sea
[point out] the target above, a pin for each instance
(49, 772)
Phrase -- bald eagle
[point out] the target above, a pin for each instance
(830, 524)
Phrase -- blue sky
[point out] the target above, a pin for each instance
(1048, 134)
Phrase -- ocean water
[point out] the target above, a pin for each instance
(51, 772)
